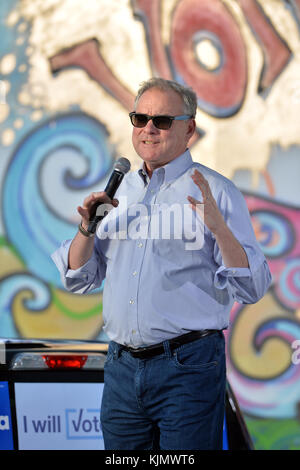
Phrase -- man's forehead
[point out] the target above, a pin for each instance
(161, 98)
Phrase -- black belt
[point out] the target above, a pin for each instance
(156, 349)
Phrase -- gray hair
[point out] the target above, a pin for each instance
(188, 96)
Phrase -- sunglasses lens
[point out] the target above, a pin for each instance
(162, 122)
(139, 120)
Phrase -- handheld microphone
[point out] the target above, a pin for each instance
(121, 167)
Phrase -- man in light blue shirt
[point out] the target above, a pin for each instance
(176, 250)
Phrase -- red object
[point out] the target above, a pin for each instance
(65, 361)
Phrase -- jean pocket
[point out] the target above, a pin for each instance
(199, 355)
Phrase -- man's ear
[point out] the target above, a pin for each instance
(191, 128)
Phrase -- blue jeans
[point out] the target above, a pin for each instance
(171, 401)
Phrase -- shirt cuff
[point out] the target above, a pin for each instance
(223, 274)
(73, 278)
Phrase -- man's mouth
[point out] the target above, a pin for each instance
(149, 142)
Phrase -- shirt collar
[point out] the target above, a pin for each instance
(143, 174)
(172, 170)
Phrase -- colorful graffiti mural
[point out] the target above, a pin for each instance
(69, 71)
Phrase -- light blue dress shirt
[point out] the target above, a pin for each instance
(158, 288)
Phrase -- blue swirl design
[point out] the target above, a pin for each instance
(9, 288)
(278, 237)
(288, 288)
(31, 225)
(288, 330)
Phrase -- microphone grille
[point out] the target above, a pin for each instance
(122, 165)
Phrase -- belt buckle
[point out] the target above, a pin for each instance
(148, 350)
(136, 352)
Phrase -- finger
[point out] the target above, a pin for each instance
(195, 204)
(193, 200)
(90, 199)
(202, 184)
(199, 179)
(94, 198)
(83, 212)
(199, 175)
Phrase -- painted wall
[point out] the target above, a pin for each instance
(69, 71)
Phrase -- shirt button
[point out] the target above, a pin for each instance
(134, 273)
(131, 301)
(140, 245)
(133, 332)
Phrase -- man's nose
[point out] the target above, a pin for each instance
(150, 127)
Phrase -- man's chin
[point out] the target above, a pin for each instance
(150, 158)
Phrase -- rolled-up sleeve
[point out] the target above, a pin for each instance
(247, 285)
(84, 279)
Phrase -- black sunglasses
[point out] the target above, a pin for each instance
(161, 122)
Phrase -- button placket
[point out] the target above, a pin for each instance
(137, 262)
(133, 287)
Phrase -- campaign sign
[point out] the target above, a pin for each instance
(6, 435)
(59, 416)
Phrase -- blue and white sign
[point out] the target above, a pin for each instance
(6, 435)
(59, 416)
